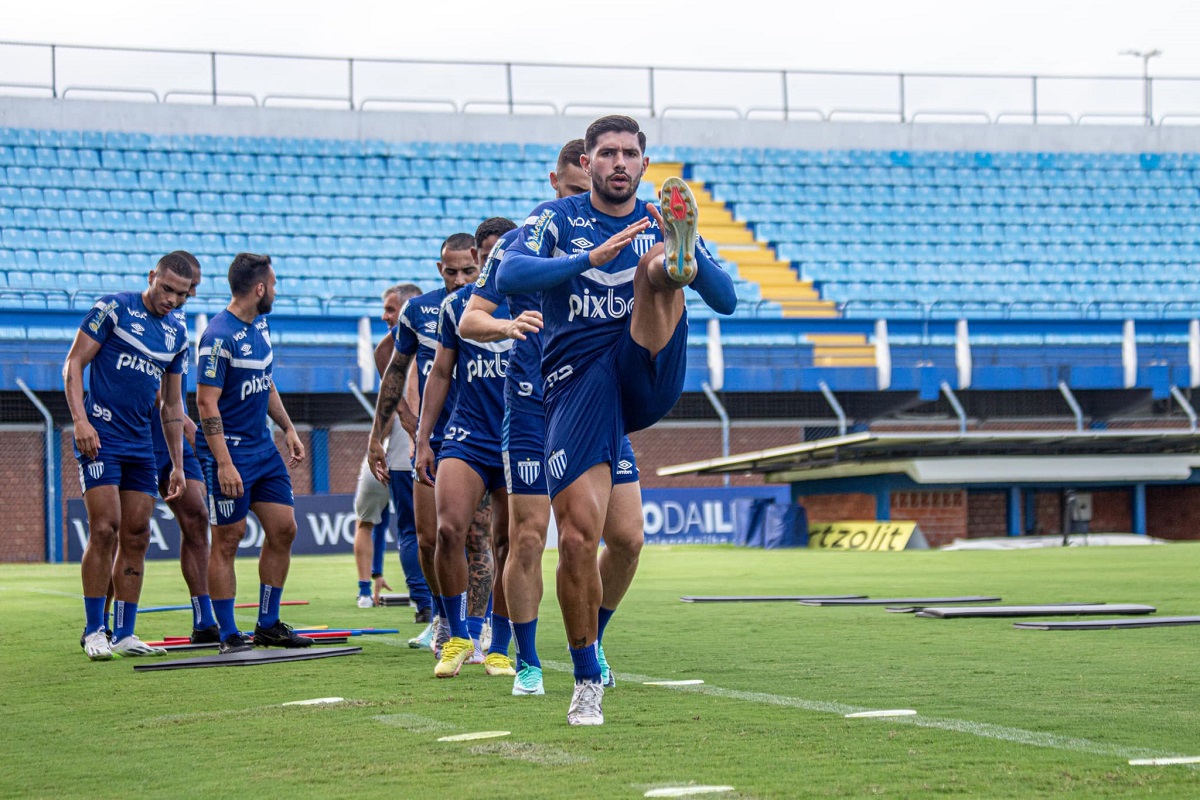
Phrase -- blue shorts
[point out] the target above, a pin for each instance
(129, 473)
(486, 462)
(191, 467)
(265, 479)
(622, 391)
(435, 446)
(525, 448)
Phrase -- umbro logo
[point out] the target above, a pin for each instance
(583, 244)
(624, 467)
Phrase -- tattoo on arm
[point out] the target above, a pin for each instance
(391, 390)
(176, 420)
(212, 426)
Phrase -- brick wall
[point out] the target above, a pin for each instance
(663, 445)
(347, 446)
(941, 515)
(22, 495)
(987, 514)
(838, 507)
(1047, 513)
(1173, 512)
(1112, 511)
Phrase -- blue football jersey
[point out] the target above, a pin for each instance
(136, 348)
(416, 333)
(237, 358)
(161, 453)
(586, 315)
(525, 359)
(480, 368)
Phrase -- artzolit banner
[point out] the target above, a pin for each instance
(866, 535)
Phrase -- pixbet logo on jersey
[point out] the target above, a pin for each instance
(256, 384)
(494, 367)
(609, 305)
(139, 364)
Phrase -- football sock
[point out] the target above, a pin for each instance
(202, 612)
(501, 635)
(125, 615)
(268, 604)
(525, 634)
(587, 664)
(96, 619)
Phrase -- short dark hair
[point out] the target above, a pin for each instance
(174, 262)
(403, 290)
(457, 241)
(184, 254)
(247, 270)
(614, 123)
(492, 226)
(569, 155)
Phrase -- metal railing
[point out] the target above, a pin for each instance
(273, 80)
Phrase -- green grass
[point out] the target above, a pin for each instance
(1003, 712)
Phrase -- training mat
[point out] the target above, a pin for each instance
(770, 598)
(250, 658)
(393, 600)
(897, 601)
(1036, 611)
(1107, 624)
(185, 646)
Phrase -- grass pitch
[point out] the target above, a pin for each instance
(1002, 712)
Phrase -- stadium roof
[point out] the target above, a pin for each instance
(974, 457)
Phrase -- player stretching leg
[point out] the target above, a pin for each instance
(615, 353)
(136, 348)
(469, 462)
(243, 466)
(416, 335)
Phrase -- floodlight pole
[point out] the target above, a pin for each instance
(1147, 100)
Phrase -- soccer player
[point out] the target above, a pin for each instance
(371, 497)
(136, 347)
(416, 335)
(611, 269)
(191, 510)
(470, 467)
(243, 467)
(524, 451)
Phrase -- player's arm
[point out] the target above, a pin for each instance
(437, 388)
(479, 325)
(228, 478)
(524, 272)
(383, 353)
(189, 429)
(171, 416)
(278, 413)
(390, 399)
(82, 351)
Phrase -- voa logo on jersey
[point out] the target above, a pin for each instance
(255, 384)
(609, 305)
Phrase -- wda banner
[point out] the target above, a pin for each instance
(325, 523)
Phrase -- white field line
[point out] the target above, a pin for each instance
(41, 591)
(980, 729)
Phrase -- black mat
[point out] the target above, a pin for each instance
(1060, 610)
(771, 598)
(393, 600)
(1107, 624)
(250, 658)
(915, 601)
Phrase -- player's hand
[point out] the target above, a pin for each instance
(606, 252)
(177, 485)
(295, 448)
(527, 322)
(425, 464)
(230, 480)
(377, 458)
(380, 583)
(86, 439)
(189, 431)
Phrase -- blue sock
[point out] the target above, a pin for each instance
(605, 616)
(202, 613)
(501, 635)
(526, 635)
(223, 611)
(475, 627)
(364, 588)
(107, 627)
(95, 618)
(268, 604)
(587, 664)
(125, 615)
(456, 614)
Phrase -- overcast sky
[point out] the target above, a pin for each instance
(1044, 36)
